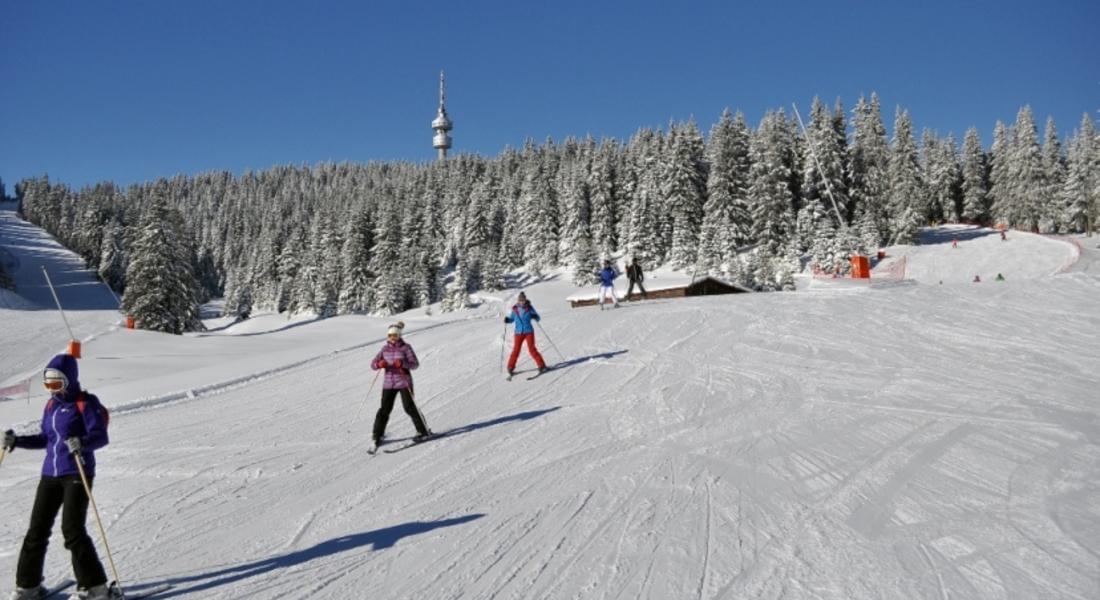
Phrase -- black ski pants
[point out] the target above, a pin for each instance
(631, 288)
(383, 416)
(65, 494)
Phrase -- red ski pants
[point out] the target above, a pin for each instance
(518, 344)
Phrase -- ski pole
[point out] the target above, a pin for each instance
(3, 453)
(550, 340)
(373, 381)
(55, 299)
(98, 521)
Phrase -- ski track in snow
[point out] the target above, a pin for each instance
(917, 441)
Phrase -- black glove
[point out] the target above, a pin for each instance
(9, 440)
(505, 320)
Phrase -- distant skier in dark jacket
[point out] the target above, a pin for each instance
(636, 277)
(398, 359)
(73, 423)
(607, 284)
(522, 314)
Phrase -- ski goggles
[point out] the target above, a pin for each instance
(55, 380)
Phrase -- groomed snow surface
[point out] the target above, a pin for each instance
(886, 440)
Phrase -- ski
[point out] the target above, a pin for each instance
(411, 443)
(542, 372)
(148, 592)
(53, 591)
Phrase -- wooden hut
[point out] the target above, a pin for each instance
(703, 286)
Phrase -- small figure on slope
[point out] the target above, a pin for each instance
(398, 359)
(522, 314)
(977, 279)
(607, 284)
(73, 422)
(1000, 277)
(636, 277)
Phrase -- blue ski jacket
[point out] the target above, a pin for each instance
(608, 275)
(61, 419)
(522, 315)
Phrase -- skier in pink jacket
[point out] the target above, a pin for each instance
(398, 359)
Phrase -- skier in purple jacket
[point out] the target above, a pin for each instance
(398, 359)
(73, 423)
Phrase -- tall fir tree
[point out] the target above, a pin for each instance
(974, 185)
(869, 165)
(1000, 159)
(162, 293)
(905, 185)
(1027, 177)
(1081, 191)
(1051, 207)
(769, 184)
(684, 194)
(357, 293)
(726, 222)
(601, 191)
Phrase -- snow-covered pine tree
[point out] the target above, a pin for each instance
(684, 193)
(1051, 204)
(238, 292)
(112, 269)
(265, 273)
(1081, 192)
(869, 164)
(1000, 159)
(386, 261)
(1027, 177)
(538, 217)
(583, 258)
(974, 185)
(457, 297)
(492, 271)
(478, 236)
(357, 291)
(601, 195)
(289, 263)
(726, 222)
(643, 238)
(161, 289)
(823, 160)
(906, 188)
(769, 184)
(941, 177)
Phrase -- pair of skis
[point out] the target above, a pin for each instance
(54, 592)
(406, 443)
(535, 376)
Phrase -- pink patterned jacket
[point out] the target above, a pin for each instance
(396, 379)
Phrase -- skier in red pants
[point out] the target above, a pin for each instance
(522, 315)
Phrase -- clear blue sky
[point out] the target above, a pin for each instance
(132, 90)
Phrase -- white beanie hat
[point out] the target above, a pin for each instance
(396, 328)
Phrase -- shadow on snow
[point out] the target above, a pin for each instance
(379, 539)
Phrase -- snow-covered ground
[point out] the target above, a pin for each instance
(903, 440)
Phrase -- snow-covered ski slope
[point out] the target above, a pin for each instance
(897, 441)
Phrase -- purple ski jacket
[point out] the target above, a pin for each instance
(396, 379)
(61, 420)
